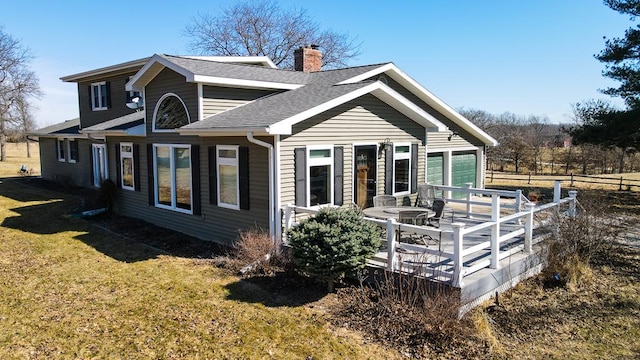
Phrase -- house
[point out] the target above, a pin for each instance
(210, 145)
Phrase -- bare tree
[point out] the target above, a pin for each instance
(17, 84)
(537, 135)
(25, 121)
(265, 29)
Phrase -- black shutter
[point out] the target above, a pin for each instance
(90, 163)
(338, 175)
(195, 179)
(300, 165)
(108, 97)
(91, 97)
(388, 169)
(77, 148)
(213, 178)
(414, 168)
(118, 167)
(243, 176)
(150, 182)
(136, 167)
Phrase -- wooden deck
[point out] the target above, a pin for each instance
(492, 241)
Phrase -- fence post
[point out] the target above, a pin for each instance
(620, 187)
(469, 207)
(458, 262)
(391, 245)
(518, 201)
(491, 174)
(557, 191)
(571, 184)
(528, 227)
(572, 205)
(529, 181)
(495, 231)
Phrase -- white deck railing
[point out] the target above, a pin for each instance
(521, 222)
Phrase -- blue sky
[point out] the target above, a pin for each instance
(525, 57)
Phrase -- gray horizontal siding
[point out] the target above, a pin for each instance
(215, 224)
(118, 94)
(440, 141)
(66, 173)
(217, 99)
(365, 120)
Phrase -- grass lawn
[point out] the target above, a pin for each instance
(71, 290)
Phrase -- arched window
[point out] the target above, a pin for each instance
(170, 113)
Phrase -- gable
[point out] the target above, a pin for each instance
(216, 99)
(168, 81)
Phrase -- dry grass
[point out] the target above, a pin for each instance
(17, 156)
(71, 290)
(547, 181)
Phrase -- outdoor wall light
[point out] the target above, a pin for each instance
(453, 133)
(383, 146)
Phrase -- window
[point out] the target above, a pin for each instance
(320, 184)
(60, 149)
(73, 150)
(170, 113)
(99, 96)
(126, 166)
(401, 169)
(228, 179)
(173, 177)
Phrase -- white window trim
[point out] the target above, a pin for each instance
(96, 165)
(69, 141)
(173, 178)
(60, 150)
(95, 106)
(127, 155)
(402, 156)
(226, 161)
(319, 162)
(155, 113)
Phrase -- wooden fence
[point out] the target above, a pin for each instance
(571, 180)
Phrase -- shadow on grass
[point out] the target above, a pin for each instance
(281, 289)
(123, 239)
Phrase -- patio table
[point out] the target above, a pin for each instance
(392, 212)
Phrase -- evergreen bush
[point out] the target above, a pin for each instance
(332, 243)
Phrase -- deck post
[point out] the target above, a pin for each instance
(495, 231)
(518, 201)
(391, 245)
(573, 194)
(469, 207)
(287, 222)
(557, 191)
(528, 227)
(458, 262)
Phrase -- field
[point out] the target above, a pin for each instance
(116, 288)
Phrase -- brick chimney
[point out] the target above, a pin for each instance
(307, 58)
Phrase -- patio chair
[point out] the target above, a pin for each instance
(24, 170)
(439, 208)
(384, 200)
(425, 197)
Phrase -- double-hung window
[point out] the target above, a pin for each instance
(73, 150)
(99, 95)
(401, 168)
(126, 166)
(320, 184)
(60, 149)
(228, 179)
(173, 174)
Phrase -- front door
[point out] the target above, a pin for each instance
(365, 175)
(99, 157)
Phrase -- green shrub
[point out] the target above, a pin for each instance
(333, 242)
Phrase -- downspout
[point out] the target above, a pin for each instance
(272, 193)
